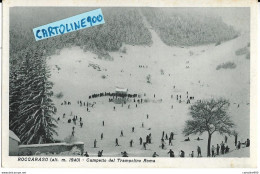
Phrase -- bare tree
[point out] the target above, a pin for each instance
(209, 116)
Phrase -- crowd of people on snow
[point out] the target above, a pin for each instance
(165, 139)
(112, 94)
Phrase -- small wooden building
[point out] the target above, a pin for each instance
(121, 90)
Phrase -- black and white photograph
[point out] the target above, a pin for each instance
(149, 82)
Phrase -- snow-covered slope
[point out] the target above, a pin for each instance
(77, 80)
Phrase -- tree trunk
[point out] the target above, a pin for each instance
(209, 141)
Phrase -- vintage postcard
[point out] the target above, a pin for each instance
(129, 84)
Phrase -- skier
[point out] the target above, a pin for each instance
(122, 134)
(133, 129)
(101, 136)
(103, 123)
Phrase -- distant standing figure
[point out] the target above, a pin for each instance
(142, 124)
(218, 149)
(222, 148)
(117, 142)
(114, 108)
(133, 129)
(247, 142)
(226, 139)
(235, 140)
(182, 154)
(140, 140)
(131, 143)
(122, 134)
(101, 136)
(144, 145)
(213, 151)
(103, 123)
(238, 145)
(81, 124)
(95, 143)
(147, 116)
(170, 141)
(162, 145)
(163, 134)
(199, 151)
(166, 137)
(154, 96)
